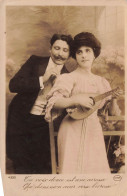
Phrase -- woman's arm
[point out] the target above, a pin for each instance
(64, 103)
(75, 100)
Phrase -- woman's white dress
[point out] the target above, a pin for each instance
(81, 147)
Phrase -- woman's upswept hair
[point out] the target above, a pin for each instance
(86, 39)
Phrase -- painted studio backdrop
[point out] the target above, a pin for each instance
(29, 29)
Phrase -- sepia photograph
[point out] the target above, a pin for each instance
(65, 96)
(49, 74)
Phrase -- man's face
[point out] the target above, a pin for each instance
(60, 52)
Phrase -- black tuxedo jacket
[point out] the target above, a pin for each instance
(26, 84)
(27, 136)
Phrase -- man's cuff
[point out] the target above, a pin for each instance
(41, 82)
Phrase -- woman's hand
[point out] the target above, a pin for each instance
(114, 109)
(83, 100)
(116, 94)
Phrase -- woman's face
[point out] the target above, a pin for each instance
(85, 57)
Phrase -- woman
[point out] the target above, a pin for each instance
(81, 147)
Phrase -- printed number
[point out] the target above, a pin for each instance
(12, 177)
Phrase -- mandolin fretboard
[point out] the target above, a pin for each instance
(104, 95)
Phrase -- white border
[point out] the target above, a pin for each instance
(122, 186)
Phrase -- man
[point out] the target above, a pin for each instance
(28, 143)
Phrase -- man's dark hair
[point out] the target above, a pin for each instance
(86, 39)
(66, 38)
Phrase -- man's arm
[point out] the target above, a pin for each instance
(24, 81)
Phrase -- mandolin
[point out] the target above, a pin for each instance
(83, 112)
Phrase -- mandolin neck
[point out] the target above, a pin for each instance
(104, 95)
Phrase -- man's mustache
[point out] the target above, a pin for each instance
(59, 58)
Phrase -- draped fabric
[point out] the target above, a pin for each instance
(81, 147)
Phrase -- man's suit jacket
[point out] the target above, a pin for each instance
(27, 135)
(26, 84)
